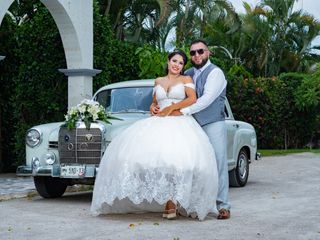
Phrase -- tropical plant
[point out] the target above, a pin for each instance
(196, 19)
(308, 93)
(274, 38)
(136, 20)
(152, 63)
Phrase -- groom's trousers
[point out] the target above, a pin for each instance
(217, 133)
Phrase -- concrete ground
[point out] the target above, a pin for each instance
(12, 186)
(280, 201)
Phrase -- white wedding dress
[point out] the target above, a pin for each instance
(155, 160)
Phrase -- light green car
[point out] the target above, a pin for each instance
(57, 157)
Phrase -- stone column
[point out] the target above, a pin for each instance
(79, 84)
(74, 19)
(4, 6)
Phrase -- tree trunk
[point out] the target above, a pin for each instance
(106, 12)
(118, 25)
(138, 30)
(285, 139)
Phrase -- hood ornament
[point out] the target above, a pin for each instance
(89, 137)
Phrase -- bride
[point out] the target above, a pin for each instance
(161, 163)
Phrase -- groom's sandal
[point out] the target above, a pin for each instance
(223, 214)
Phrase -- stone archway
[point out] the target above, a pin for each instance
(74, 19)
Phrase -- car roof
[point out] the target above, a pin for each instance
(130, 83)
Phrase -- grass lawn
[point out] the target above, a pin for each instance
(273, 152)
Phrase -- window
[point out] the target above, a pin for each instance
(131, 99)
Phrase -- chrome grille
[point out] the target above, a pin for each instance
(53, 144)
(80, 145)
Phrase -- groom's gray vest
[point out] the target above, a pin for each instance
(215, 111)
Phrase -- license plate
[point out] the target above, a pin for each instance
(73, 171)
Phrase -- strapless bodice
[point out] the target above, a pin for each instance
(174, 94)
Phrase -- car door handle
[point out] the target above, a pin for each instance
(236, 125)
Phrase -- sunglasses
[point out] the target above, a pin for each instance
(199, 51)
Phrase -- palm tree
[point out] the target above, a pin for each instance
(136, 20)
(194, 18)
(272, 38)
(254, 47)
(289, 37)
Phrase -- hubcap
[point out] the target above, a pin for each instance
(242, 167)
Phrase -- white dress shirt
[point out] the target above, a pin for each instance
(215, 84)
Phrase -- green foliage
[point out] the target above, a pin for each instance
(277, 152)
(239, 70)
(40, 91)
(270, 105)
(8, 68)
(33, 90)
(116, 59)
(152, 63)
(308, 93)
(87, 111)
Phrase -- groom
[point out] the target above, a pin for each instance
(209, 112)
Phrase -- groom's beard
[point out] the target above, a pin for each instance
(198, 66)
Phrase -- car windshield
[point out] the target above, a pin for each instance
(130, 99)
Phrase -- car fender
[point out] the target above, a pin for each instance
(245, 137)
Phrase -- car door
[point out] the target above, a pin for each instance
(232, 127)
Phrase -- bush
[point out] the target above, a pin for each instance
(270, 105)
(8, 68)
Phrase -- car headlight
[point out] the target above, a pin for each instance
(50, 158)
(33, 137)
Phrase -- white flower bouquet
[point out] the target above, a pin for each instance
(87, 111)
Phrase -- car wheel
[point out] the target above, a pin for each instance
(49, 187)
(238, 177)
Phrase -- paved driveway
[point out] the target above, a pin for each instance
(280, 201)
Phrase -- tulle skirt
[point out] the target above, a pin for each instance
(155, 160)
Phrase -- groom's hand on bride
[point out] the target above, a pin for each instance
(176, 113)
(169, 111)
(165, 112)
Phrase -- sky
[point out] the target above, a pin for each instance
(310, 6)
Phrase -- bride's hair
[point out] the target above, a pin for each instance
(182, 54)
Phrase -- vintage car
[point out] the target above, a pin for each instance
(57, 157)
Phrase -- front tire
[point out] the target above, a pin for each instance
(238, 177)
(49, 187)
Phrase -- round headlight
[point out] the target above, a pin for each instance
(33, 137)
(50, 158)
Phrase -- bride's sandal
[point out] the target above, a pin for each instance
(171, 209)
(165, 212)
(172, 214)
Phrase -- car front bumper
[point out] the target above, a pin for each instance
(258, 156)
(54, 171)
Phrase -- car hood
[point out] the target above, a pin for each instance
(118, 126)
(51, 130)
